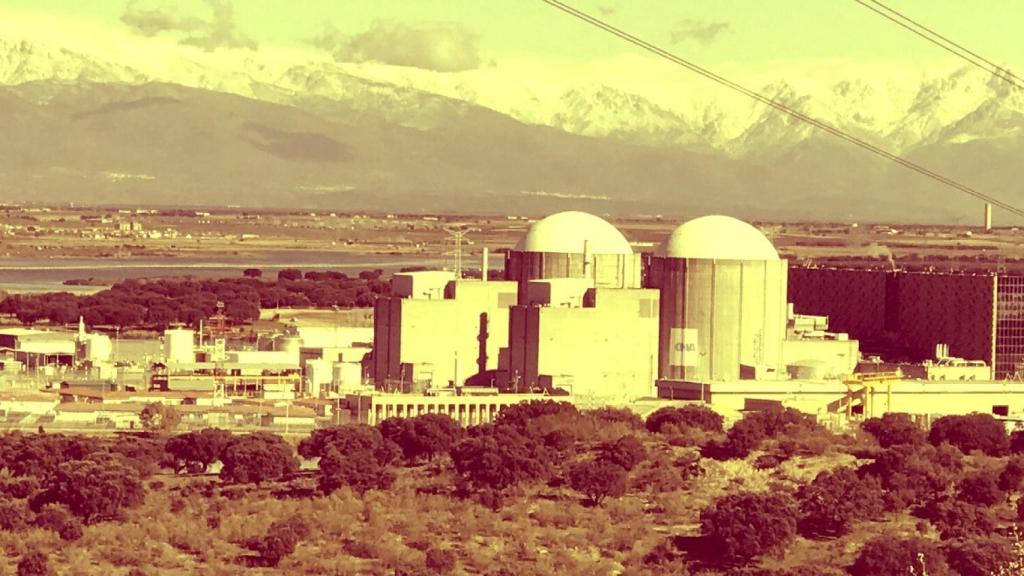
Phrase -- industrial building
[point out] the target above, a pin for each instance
(906, 315)
(436, 331)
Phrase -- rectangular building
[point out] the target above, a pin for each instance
(426, 342)
(905, 315)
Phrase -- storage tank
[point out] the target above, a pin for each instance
(573, 245)
(179, 345)
(290, 344)
(723, 301)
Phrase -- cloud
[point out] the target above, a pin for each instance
(439, 46)
(219, 31)
(697, 30)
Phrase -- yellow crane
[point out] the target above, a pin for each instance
(865, 385)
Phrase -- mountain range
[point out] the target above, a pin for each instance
(261, 131)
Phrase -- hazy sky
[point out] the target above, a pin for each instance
(459, 34)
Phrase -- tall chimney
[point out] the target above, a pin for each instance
(988, 216)
(485, 265)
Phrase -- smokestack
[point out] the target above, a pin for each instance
(485, 265)
(988, 217)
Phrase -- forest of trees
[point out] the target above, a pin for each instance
(545, 489)
(157, 303)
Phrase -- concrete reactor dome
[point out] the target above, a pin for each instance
(573, 233)
(718, 238)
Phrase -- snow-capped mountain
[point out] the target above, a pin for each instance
(404, 131)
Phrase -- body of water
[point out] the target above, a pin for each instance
(48, 274)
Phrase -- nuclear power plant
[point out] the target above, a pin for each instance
(711, 314)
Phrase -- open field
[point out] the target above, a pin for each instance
(49, 233)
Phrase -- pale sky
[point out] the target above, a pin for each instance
(737, 33)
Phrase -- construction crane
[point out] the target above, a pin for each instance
(864, 385)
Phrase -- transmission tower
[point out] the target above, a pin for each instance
(457, 234)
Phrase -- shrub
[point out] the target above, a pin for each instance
(979, 556)
(53, 517)
(972, 432)
(71, 530)
(689, 416)
(893, 429)
(280, 540)
(982, 489)
(598, 479)
(34, 563)
(915, 474)
(958, 519)
(742, 526)
(94, 489)
(1017, 441)
(159, 417)
(888, 554)
(440, 560)
(14, 515)
(837, 498)
(610, 415)
(257, 458)
(755, 427)
(538, 417)
(626, 452)
(1012, 474)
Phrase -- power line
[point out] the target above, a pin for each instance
(597, 22)
(929, 34)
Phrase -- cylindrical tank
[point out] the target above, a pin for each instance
(723, 300)
(179, 345)
(290, 344)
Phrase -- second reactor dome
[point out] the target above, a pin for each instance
(718, 238)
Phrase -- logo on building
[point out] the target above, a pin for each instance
(683, 347)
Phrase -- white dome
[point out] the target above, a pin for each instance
(718, 238)
(569, 232)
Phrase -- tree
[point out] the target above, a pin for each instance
(971, 432)
(34, 563)
(349, 439)
(94, 489)
(241, 311)
(835, 499)
(252, 273)
(626, 452)
(889, 554)
(741, 526)
(359, 470)
(257, 458)
(690, 416)
(196, 451)
(497, 457)
(597, 480)
(982, 489)
(159, 417)
(289, 274)
(893, 429)
(14, 516)
(979, 556)
(422, 436)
